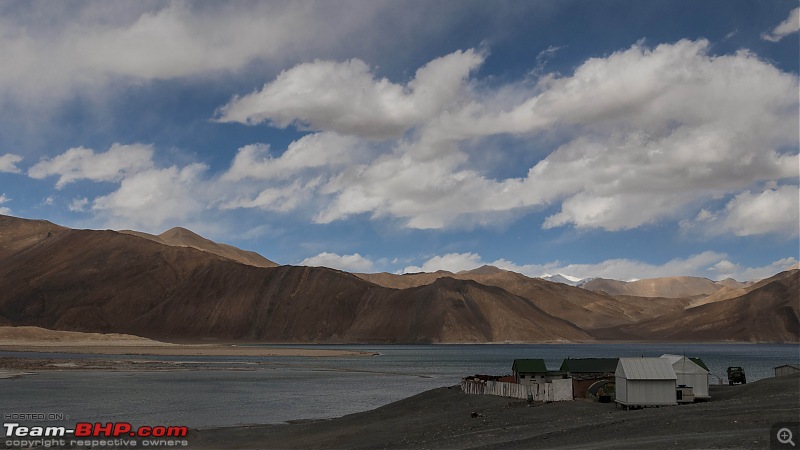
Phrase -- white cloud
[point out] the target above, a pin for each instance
(622, 269)
(726, 269)
(785, 28)
(8, 163)
(349, 263)
(281, 199)
(79, 204)
(451, 262)
(81, 163)
(713, 265)
(347, 98)
(427, 192)
(647, 135)
(773, 211)
(312, 151)
(4, 209)
(58, 48)
(150, 199)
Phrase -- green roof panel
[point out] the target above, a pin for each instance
(529, 365)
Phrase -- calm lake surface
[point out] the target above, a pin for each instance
(278, 389)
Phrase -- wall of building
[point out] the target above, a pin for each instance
(579, 387)
(530, 378)
(786, 370)
(646, 392)
(698, 382)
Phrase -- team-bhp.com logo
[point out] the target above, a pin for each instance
(90, 434)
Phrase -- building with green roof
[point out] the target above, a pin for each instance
(529, 371)
(588, 371)
(581, 366)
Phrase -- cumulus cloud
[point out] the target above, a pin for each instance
(347, 98)
(785, 28)
(318, 150)
(8, 163)
(638, 137)
(648, 135)
(81, 163)
(773, 211)
(58, 47)
(451, 262)
(281, 199)
(4, 209)
(78, 204)
(349, 263)
(150, 199)
(713, 265)
(428, 193)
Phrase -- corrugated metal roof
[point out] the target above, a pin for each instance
(529, 365)
(645, 369)
(589, 365)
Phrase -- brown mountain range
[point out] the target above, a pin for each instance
(584, 308)
(769, 312)
(181, 237)
(668, 287)
(179, 286)
(105, 281)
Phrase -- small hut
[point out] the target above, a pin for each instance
(690, 374)
(529, 371)
(643, 382)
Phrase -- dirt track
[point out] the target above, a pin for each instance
(737, 417)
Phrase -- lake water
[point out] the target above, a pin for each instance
(288, 388)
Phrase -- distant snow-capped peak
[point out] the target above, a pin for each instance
(565, 279)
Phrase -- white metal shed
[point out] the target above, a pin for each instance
(645, 382)
(691, 374)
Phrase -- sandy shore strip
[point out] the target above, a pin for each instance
(109, 348)
(39, 340)
(8, 374)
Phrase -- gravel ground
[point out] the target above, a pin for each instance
(737, 417)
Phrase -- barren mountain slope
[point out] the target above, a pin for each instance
(17, 235)
(451, 310)
(769, 313)
(730, 292)
(181, 237)
(404, 281)
(669, 287)
(584, 308)
(104, 281)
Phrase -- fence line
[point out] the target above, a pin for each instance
(558, 390)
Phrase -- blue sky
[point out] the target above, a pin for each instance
(621, 139)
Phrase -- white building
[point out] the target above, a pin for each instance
(690, 374)
(645, 382)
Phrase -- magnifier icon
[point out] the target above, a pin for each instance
(785, 436)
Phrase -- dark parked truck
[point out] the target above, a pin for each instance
(736, 375)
